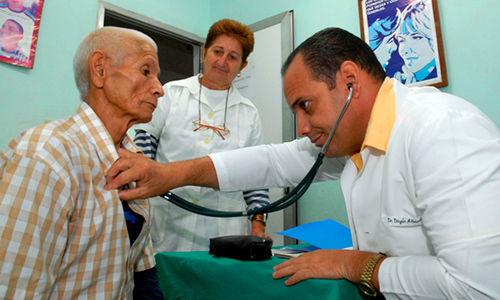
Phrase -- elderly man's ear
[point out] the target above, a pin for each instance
(97, 68)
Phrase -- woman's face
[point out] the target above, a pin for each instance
(222, 61)
(415, 49)
(385, 49)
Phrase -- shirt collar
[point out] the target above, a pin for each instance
(95, 132)
(381, 121)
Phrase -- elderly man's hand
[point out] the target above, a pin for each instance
(147, 173)
(325, 264)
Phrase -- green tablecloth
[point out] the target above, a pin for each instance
(200, 276)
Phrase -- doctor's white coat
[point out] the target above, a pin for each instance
(431, 202)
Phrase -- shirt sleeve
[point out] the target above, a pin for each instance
(259, 197)
(270, 166)
(35, 204)
(147, 142)
(257, 137)
(256, 198)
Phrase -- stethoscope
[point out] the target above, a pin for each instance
(280, 204)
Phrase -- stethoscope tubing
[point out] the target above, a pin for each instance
(282, 203)
(277, 205)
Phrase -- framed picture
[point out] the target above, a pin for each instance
(406, 38)
(20, 20)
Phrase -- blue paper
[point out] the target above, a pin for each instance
(326, 234)
(301, 249)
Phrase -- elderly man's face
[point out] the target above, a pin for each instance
(133, 88)
(10, 35)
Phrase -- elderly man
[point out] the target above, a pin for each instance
(61, 234)
(420, 173)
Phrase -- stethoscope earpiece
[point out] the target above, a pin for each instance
(349, 85)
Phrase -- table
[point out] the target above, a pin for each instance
(200, 276)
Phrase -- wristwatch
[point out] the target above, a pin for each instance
(365, 283)
(260, 217)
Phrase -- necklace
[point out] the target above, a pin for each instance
(201, 125)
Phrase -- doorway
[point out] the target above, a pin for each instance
(179, 52)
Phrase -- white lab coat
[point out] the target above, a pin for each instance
(431, 202)
(175, 229)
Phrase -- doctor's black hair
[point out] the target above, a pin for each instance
(325, 51)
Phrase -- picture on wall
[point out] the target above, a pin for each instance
(20, 20)
(406, 38)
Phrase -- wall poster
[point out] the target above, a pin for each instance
(20, 20)
(406, 38)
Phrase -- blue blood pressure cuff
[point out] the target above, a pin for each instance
(242, 247)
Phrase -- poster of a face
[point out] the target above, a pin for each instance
(403, 36)
(19, 21)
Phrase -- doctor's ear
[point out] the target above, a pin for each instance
(348, 74)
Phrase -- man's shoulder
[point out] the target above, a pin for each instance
(60, 136)
(238, 98)
(422, 112)
(55, 146)
(428, 101)
(189, 82)
(174, 89)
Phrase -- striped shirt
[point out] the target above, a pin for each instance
(62, 235)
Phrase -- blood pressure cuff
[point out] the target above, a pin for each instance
(242, 247)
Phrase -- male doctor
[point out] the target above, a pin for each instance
(420, 173)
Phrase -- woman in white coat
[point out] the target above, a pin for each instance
(198, 116)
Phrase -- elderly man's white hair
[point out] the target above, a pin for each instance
(115, 42)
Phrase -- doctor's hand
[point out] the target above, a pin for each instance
(153, 178)
(148, 174)
(326, 264)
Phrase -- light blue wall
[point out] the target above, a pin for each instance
(28, 97)
(468, 28)
(470, 42)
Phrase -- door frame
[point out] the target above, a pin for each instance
(152, 24)
(286, 21)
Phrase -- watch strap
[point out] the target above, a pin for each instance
(260, 217)
(365, 281)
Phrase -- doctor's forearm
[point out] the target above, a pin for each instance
(199, 172)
